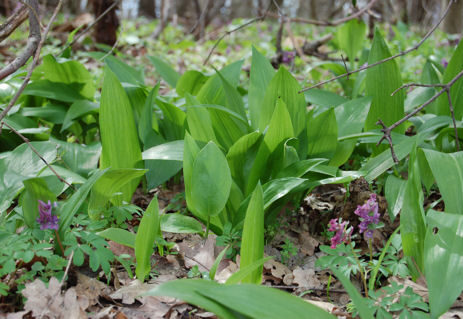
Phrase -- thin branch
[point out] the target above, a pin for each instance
(13, 22)
(78, 36)
(32, 43)
(330, 23)
(26, 140)
(293, 41)
(33, 64)
(345, 65)
(445, 89)
(415, 47)
(417, 84)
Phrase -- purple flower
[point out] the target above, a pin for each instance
(341, 233)
(444, 62)
(288, 57)
(369, 215)
(46, 219)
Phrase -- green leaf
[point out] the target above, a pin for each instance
(108, 186)
(120, 236)
(210, 181)
(166, 71)
(350, 118)
(284, 87)
(80, 158)
(279, 130)
(360, 303)
(448, 172)
(246, 271)
(322, 133)
(177, 223)
(323, 99)
(443, 257)
(300, 168)
(234, 101)
(394, 191)
(217, 261)
(278, 188)
(35, 189)
(453, 68)
(145, 122)
(172, 126)
(54, 113)
(124, 72)
(55, 90)
(119, 136)
(190, 153)
(200, 124)
(381, 81)
(190, 82)
(170, 151)
(350, 36)
(69, 209)
(252, 243)
(412, 223)
(78, 109)
(147, 232)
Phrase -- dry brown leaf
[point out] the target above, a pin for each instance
(278, 270)
(307, 243)
(197, 252)
(224, 274)
(43, 301)
(306, 278)
(321, 304)
(90, 288)
(131, 292)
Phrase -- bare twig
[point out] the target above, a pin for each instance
(78, 36)
(330, 23)
(67, 267)
(445, 89)
(293, 40)
(26, 140)
(201, 17)
(416, 84)
(32, 43)
(33, 64)
(13, 22)
(345, 65)
(415, 47)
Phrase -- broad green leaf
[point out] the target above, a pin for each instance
(252, 243)
(236, 277)
(137, 97)
(145, 123)
(227, 129)
(262, 73)
(412, 223)
(78, 109)
(300, 168)
(279, 130)
(448, 172)
(172, 125)
(166, 71)
(120, 236)
(21, 164)
(56, 186)
(361, 306)
(147, 232)
(69, 209)
(35, 189)
(54, 113)
(200, 124)
(108, 186)
(55, 90)
(68, 72)
(263, 302)
(284, 87)
(188, 290)
(278, 188)
(234, 101)
(350, 118)
(323, 99)
(443, 257)
(350, 36)
(217, 261)
(453, 68)
(322, 133)
(124, 72)
(80, 158)
(210, 181)
(190, 82)
(190, 152)
(170, 151)
(119, 136)
(394, 191)
(429, 76)
(177, 223)
(381, 81)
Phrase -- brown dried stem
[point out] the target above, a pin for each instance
(13, 22)
(402, 53)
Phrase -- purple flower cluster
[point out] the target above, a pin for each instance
(46, 219)
(288, 57)
(341, 233)
(369, 215)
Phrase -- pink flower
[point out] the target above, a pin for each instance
(341, 233)
(46, 219)
(369, 215)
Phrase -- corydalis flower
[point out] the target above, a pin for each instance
(46, 219)
(369, 215)
(288, 57)
(341, 233)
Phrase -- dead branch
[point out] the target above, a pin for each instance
(32, 42)
(13, 22)
(445, 89)
(402, 53)
(33, 64)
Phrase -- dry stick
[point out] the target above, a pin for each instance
(31, 47)
(345, 65)
(386, 59)
(13, 22)
(201, 17)
(387, 130)
(26, 140)
(33, 64)
(77, 37)
(330, 23)
(294, 42)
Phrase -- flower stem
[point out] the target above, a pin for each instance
(370, 247)
(362, 274)
(59, 242)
